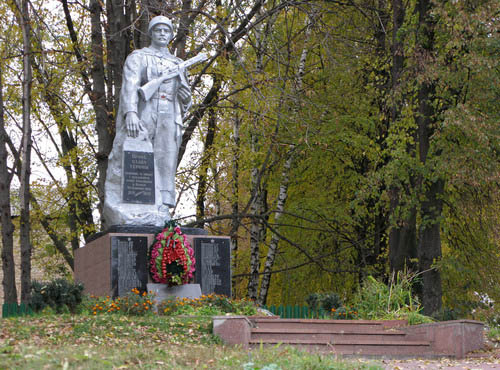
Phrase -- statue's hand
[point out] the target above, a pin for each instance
(184, 93)
(133, 124)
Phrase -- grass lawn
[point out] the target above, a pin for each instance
(116, 341)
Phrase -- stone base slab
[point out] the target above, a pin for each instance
(163, 291)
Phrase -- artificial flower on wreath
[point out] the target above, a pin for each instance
(172, 259)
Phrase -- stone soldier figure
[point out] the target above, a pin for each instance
(154, 97)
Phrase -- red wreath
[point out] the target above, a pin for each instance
(172, 259)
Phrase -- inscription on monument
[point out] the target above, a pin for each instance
(138, 177)
(128, 264)
(213, 265)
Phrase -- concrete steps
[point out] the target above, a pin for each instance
(346, 337)
(362, 325)
(332, 335)
(389, 339)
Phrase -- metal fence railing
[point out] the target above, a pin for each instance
(14, 309)
(295, 312)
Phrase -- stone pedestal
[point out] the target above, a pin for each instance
(113, 264)
(116, 261)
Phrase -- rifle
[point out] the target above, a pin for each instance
(152, 86)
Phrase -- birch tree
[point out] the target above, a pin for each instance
(285, 176)
(23, 10)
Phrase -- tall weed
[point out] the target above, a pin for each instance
(376, 300)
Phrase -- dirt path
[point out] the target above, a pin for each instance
(486, 360)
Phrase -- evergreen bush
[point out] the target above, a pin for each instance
(327, 304)
(60, 295)
(330, 300)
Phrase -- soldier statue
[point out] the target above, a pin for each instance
(154, 98)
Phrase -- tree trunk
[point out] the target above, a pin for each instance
(402, 237)
(205, 164)
(235, 223)
(95, 87)
(429, 249)
(398, 57)
(403, 234)
(118, 40)
(376, 257)
(285, 175)
(8, 267)
(258, 202)
(104, 122)
(24, 179)
(180, 42)
(273, 245)
(431, 207)
(257, 227)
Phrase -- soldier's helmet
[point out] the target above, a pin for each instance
(160, 19)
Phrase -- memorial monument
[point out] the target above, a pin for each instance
(155, 95)
(140, 181)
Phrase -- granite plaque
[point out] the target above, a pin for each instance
(138, 177)
(213, 265)
(129, 264)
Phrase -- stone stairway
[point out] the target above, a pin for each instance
(365, 338)
(345, 337)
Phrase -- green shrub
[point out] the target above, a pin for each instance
(415, 318)
(330, 305)
(330, 301)
(494, 334)
(323, 301)
(60, 295)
